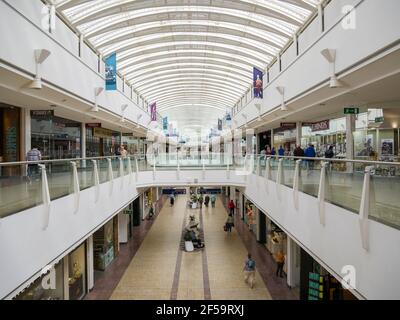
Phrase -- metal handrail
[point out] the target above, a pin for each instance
(3, 164)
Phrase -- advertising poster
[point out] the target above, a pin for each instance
(258, 83)
(220, 124)
(387, 147)
(153, 111)
(111, 72)
(165, 123)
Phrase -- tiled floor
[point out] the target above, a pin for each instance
(159, 270)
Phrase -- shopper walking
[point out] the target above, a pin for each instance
(281, 151)
(250, 271)
(298, 151)
(124, 152)
(329, 154)
(229, 223)
(172, 199)
(280, 260)
(231, 207)
(207, 200)
(213, 200)
(200, 201)
(310, 153)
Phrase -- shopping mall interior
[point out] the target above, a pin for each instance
(199, 150)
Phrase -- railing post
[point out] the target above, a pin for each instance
(96, 181)
(267, 172)
(228, 171)
(321, 193)
(154, 169)
(137, 169)
(364, 208)
(130, 170)
(110, 175)
(178, 171)
(258, 170)
(204, 171)
(45, 196)
(121, 171)
(75, 182)
(296, 180)
(279, 178)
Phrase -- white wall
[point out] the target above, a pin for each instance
(310, 68)
(338, 243)
(64, 68)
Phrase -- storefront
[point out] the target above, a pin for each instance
(285, 137)
(101, 142)
(105, 244)
(134, 145)
(264, 140)
(316, 283)
(77, 273)
(249, 215)
(324, 134)
(276, 240)
(56, 138)
(10, 144)
(377, 135)
(49, 286)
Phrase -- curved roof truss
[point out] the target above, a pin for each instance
(184, 54)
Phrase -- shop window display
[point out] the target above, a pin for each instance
(48, 287)
(104, 246)
(77, 273)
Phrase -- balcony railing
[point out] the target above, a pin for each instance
(369, 188)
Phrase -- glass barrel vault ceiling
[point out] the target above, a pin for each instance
(193, 57)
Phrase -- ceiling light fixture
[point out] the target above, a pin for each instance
(330, 56)
(281, 90)
(97, 92)
(40, 56)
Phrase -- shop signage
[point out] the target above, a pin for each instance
(320, 126)
(315, 286)
(43, 114)
(288, 125)
(379, 120)
(351, 110)
(93, 125)
(102, 133)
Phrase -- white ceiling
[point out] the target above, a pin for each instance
(193, 57)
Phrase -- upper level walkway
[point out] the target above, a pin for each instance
(312, 200)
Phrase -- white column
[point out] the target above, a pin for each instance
(292, 264)
(66, 277)
(90, 264)
(25, 133)
(299, 127)
(233, 194)
(272, 138)
(83, 140)
(350, 128)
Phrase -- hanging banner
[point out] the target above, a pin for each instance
(258, 83)
(165, 123)
(153, 111)
(111, 72)
(220, 124)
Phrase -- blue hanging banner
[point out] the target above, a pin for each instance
(258, 83)
(165, 123)
(111, 72)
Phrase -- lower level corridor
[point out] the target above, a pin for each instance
(161, 270)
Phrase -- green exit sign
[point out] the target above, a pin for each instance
(351, 110)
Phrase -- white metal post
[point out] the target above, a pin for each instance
(96, 180)
(110, 175)
(75, 182)
(137, 169)
(121, 171)
(90, 262)
(178, 171)
(364, 208)
(228, 171)
(267, 172)
(296, 180)
(204, 171)
(279, 178)
(130, 170)
(45, 196)
(321, 193)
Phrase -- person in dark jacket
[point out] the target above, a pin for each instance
(298, 151)
(207, 200)
(310, 153)
(281, 151)
(329, 154)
